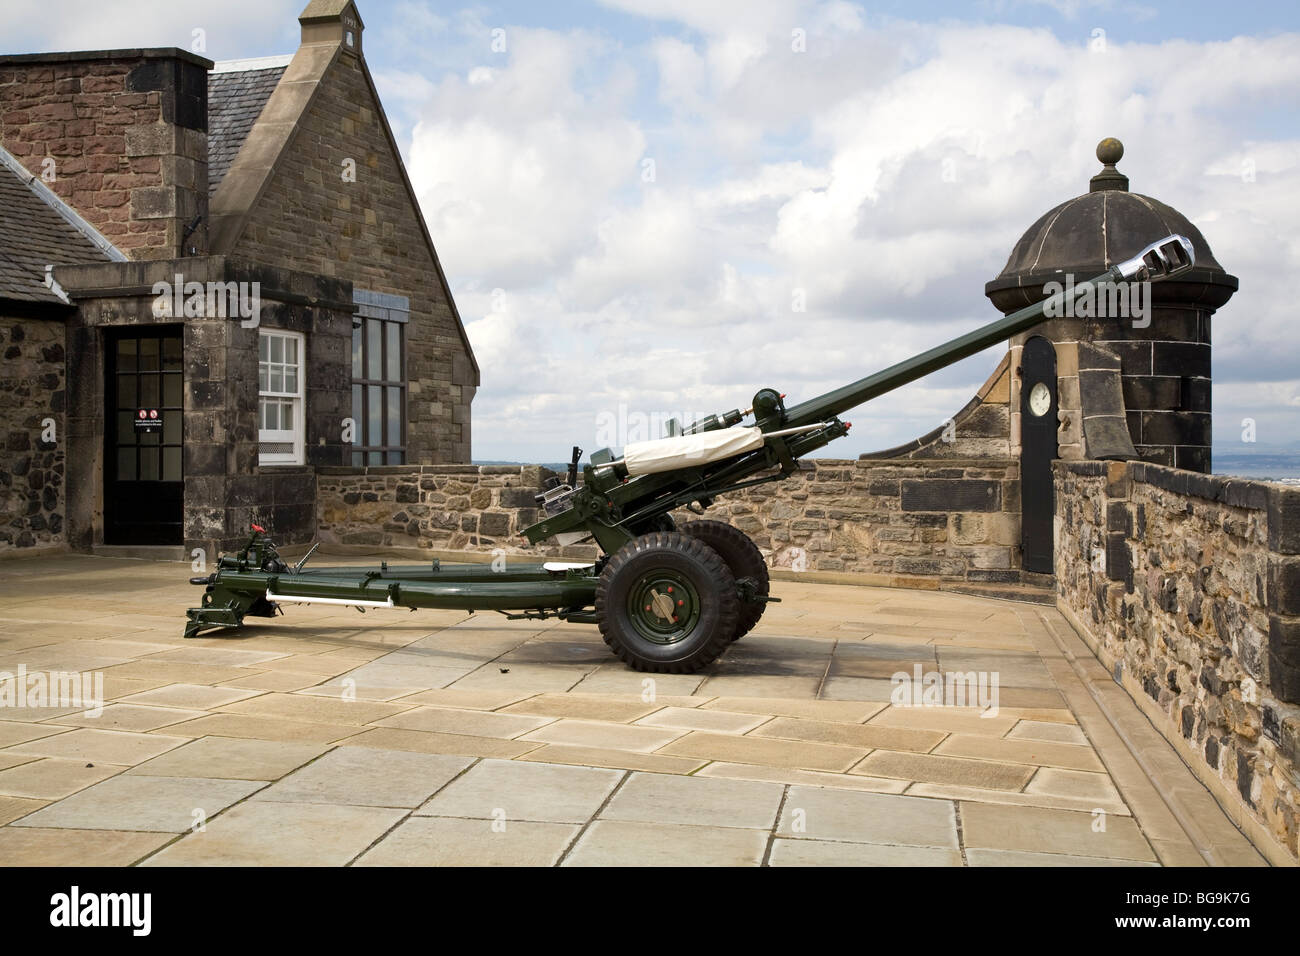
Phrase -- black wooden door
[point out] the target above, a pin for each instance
(144, 487)
(1038, 424)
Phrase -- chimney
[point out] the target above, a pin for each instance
(119, 135)
(332, 21)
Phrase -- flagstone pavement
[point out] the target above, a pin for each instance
(330, 738)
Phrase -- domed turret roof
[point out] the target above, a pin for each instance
(1086, 235)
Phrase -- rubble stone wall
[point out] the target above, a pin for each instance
(956, 519)
(32, 420)
(1187, 586)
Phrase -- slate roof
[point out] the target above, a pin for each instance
(235, 100)
(33, 235)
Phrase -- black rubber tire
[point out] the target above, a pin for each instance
(695, 564)
(745, 561)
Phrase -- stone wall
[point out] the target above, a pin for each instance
(226, 489)
(32, 400)
(126, 131)
(899, 518)
(439, 507)
(1187, 587)
(366, 228)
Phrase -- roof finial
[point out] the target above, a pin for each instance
(1110, 151)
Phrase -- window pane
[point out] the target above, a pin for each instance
(395, 458)
(172, 389)
(291, 379)
(357, 459)
(374, 349)
(269, 416)
(171, 464)
(149, 470)
(126, 393)
(291, 350)
(172, 428)
(394, 416)
(126, 464)
(261, 378)
(126, 357)
(263, 347)
(356, 351)
(375, 458)
(394, 354)
(171, 353)
(286, 415)
(276, 384)
(148, 355)
(149, 391)
(126, 428)
(277, 348)
(374, 424)
(357, 421)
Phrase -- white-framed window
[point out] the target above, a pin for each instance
(280, 390)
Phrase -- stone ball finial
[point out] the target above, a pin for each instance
(1110, 151)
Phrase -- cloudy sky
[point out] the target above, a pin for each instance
(651, 208)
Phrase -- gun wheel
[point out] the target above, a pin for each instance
(667, 603)
(746, 564)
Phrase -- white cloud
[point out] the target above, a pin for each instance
(885, 183)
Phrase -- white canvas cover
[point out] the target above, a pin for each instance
(686, 451)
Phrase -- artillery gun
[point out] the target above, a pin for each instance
(667, 598)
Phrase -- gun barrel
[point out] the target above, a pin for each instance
(1169, 257)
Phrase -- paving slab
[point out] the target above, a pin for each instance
(620, 709)
(261, 833)
(420, 741)
(695, 801)
(474, 723)
(34, 846)
(767, 751)
(265, 728)
(132, 717)
(515, 790)
(101, 746)
(852, 712)
(811, 778)
(1067, 832)
(156, 804)
(1021, 858)
(192, 696)
(853, 735)
(367, 777)
(926, 768)
(317, 709)
(1039, 753)
(694, 718)
(445, 841)
(232, 758)
(13, 808)
(829, 853)
(618, 678)
(50, 778)
(1044, 730)
(608, 736)
(820, 814)
(622, 843)
(616, 759)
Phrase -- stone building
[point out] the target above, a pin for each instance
(242, 290)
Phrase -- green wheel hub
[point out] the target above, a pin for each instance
(663, 606)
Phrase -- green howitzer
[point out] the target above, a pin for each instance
(666, 597)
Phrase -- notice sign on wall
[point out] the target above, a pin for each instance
(147, 421)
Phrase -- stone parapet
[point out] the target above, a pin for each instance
(1187, 586)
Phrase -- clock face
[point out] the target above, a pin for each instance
(1040, 399)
